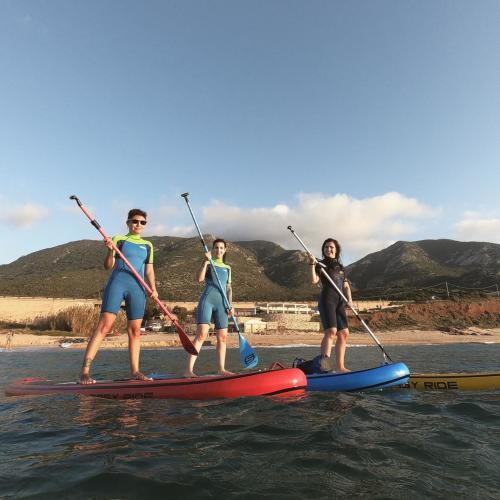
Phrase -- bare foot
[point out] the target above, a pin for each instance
(85, 379)
(190, 374)
(343, 370)
(226, 373)
(139, 376)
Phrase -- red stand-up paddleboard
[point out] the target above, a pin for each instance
(263, 383)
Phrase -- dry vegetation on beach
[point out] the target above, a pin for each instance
(414, 323)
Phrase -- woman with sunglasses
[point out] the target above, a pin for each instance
(122, 285)
(211, 308)
(332, 307)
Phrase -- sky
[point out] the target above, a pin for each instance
(368, 121)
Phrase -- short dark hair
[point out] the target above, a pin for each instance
(136, 211)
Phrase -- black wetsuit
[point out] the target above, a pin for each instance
(330, 304)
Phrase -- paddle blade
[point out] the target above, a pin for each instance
(248, 356)
(186, 343)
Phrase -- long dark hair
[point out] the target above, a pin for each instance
(220, 240)
(338, 248)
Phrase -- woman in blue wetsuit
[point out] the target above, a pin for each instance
(122, 285)
(211, 308)
(332, 307)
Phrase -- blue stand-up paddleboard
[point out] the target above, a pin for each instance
(386, 375)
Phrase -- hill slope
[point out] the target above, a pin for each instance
(262, 271)
(427, 262)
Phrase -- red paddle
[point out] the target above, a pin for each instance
(186, 343)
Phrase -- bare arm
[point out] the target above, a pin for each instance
(202, 271)
(150, 278)
(347, 291)
(313, 275)
(109, 260)
(229, 294)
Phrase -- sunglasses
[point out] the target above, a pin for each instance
(137, 221)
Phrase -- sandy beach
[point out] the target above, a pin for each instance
(290, 329)
(24, 339)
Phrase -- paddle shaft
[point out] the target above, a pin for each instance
(186, 343)
(325, 274)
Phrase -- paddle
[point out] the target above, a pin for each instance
(325, 274)
(248, 356)
(186, 343)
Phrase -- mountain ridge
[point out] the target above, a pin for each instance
(263, 270)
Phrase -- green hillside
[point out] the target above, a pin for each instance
(76, 270)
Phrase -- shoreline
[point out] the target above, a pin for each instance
(283, 339)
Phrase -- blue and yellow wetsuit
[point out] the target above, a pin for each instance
(211, 305)
(122, 284)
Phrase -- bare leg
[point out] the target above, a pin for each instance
(104, 326)
(340, 346)
(327, 342)
(134, 348)
(201, 335)
(221, 352)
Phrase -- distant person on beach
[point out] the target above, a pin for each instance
(332, 307)
(8, 341)
(122, 285)
(211, 307)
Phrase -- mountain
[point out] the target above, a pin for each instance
(262, 270)
(428, 262)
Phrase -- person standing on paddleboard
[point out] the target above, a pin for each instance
(122, 285)
(332, 307)
(211, 306)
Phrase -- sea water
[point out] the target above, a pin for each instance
(397, 444)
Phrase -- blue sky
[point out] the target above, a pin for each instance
(370, 121)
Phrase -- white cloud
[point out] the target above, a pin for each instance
(168, 226)
(361, 225)
(24, 216)
(165, 230)
(474, 227)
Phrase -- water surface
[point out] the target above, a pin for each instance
(394, 444)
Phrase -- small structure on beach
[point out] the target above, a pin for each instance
(254, 325)
(283, 307)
